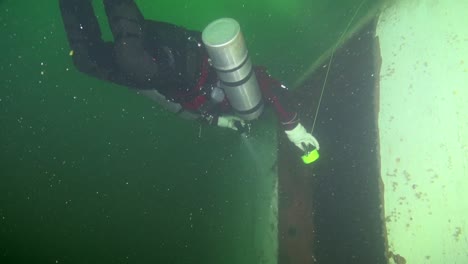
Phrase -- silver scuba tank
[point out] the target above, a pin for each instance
(228, 54)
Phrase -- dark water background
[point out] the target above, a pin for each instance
(91, 172)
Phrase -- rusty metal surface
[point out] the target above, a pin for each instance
(329, 212)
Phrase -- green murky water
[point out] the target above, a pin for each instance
(90, 172)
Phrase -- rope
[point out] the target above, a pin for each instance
(330, 61)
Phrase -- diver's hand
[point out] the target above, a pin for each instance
(232, 122)
(301, 138)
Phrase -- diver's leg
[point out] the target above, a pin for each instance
(91, 54)
(143, 65)
(124, 18)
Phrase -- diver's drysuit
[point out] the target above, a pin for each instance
(162, 61)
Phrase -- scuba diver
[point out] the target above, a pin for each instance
(204, 76)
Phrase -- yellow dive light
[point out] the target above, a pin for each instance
(310, 156)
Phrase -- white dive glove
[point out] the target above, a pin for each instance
(231, 122)
(299, 136)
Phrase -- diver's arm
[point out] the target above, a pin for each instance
(270, 91)
(289, 119)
